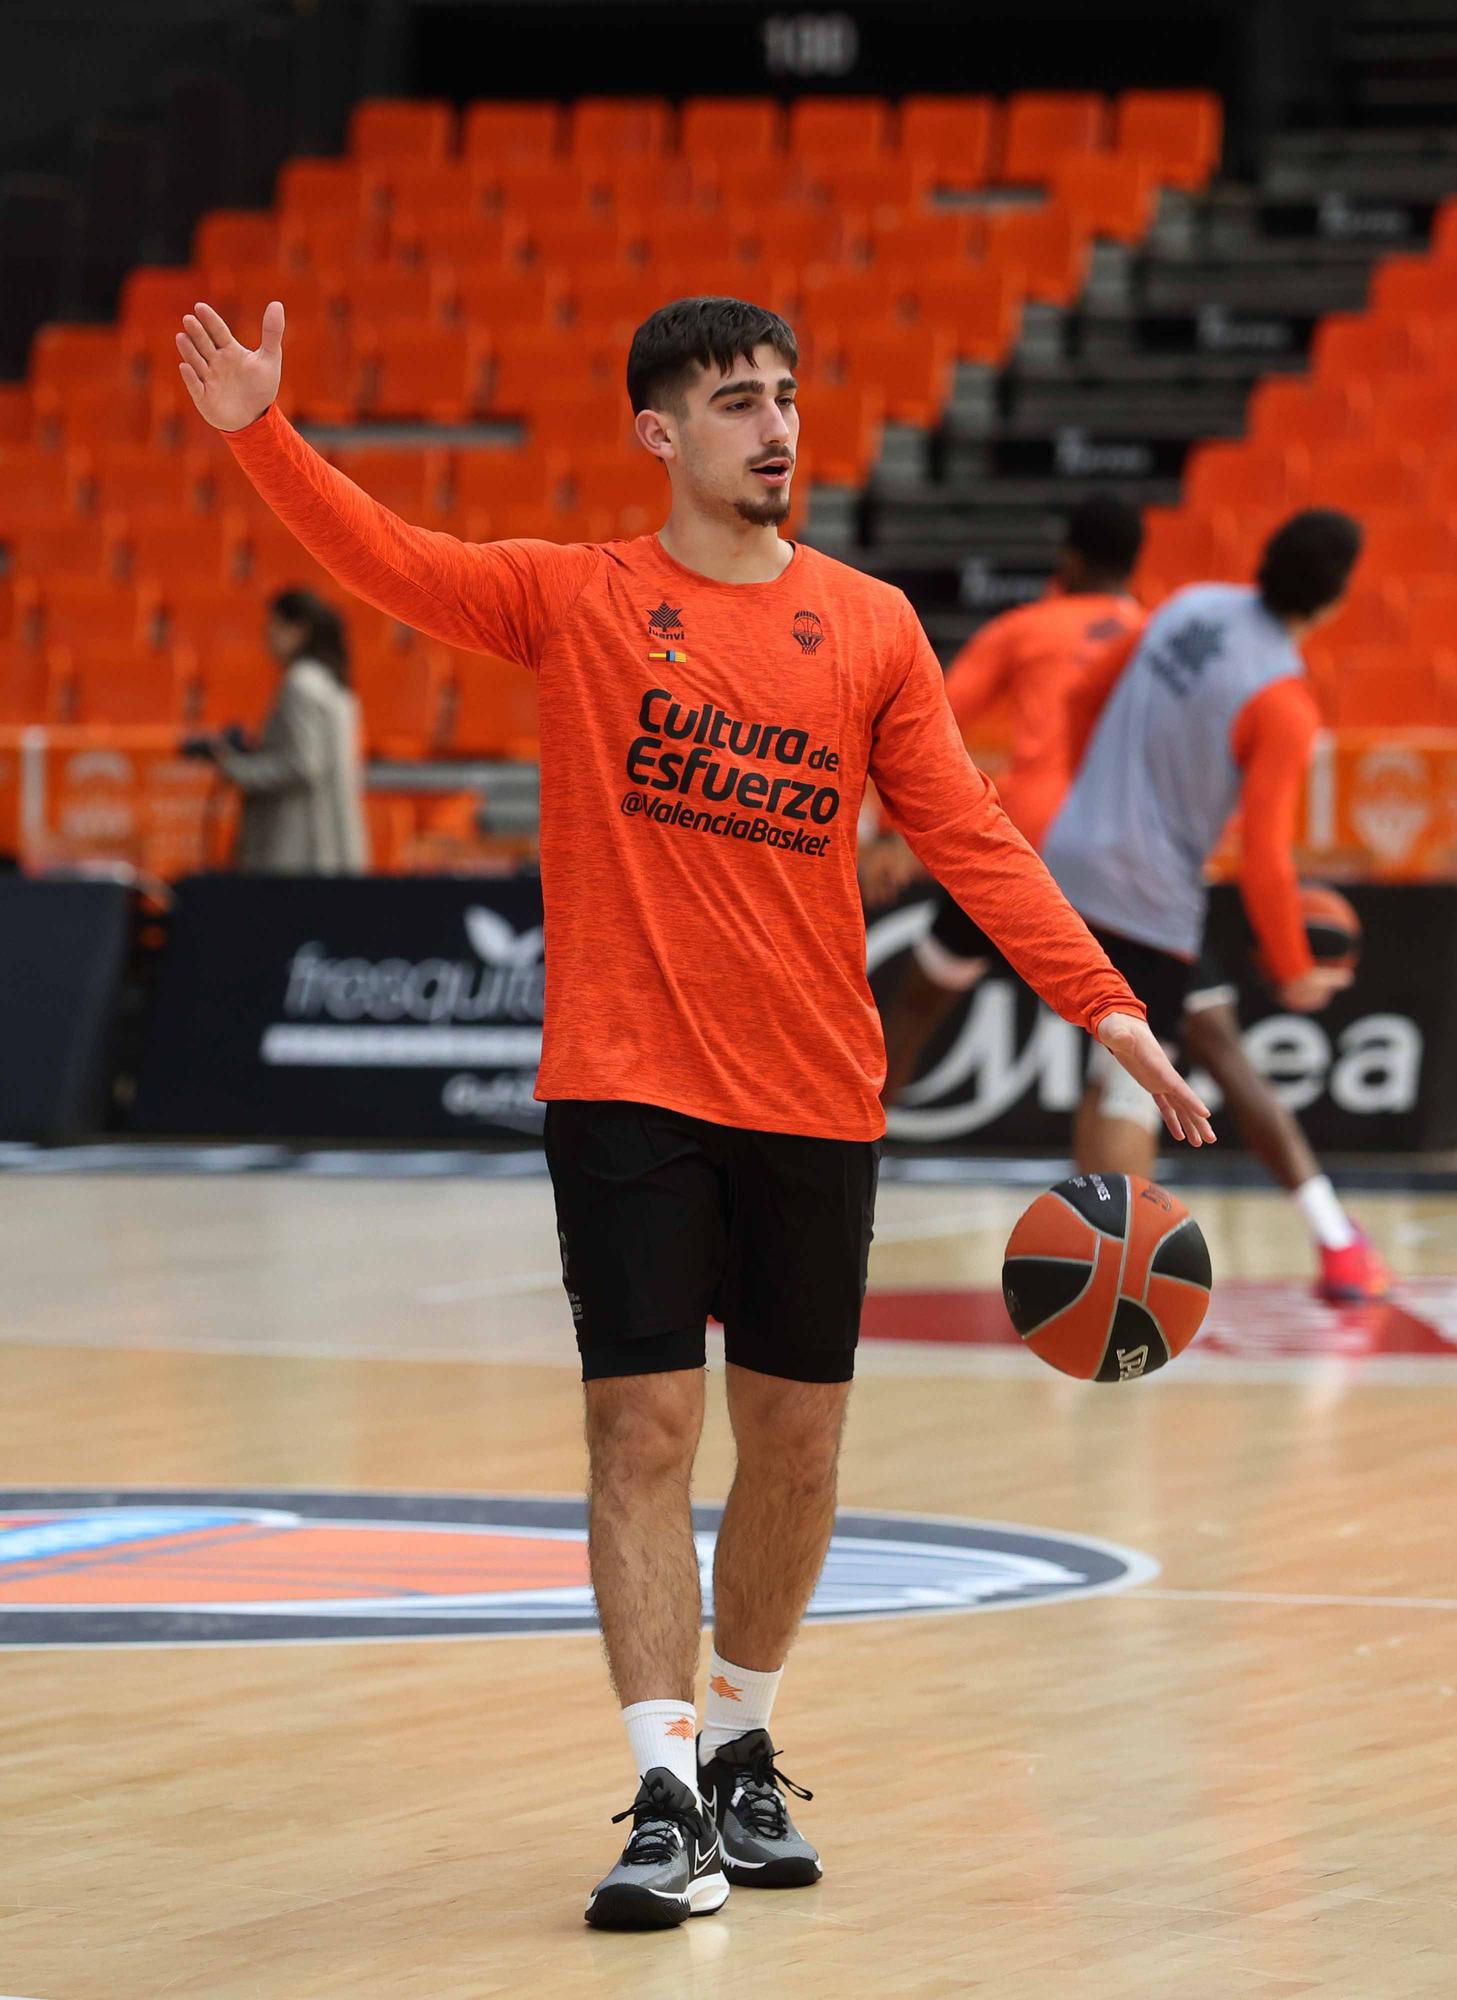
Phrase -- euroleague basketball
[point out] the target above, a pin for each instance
(1107, 1277)
(1332, 927)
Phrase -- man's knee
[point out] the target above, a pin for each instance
(643, 1427)
(796, 1425)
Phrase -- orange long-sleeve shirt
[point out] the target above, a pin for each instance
(1036, 655)
(704, 748)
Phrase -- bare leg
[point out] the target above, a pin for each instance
(1111, 1145)
(913, 1013)
(781, 1508)
(1211, 1038)
(642, 1434)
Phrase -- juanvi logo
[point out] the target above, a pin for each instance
(395, 1013)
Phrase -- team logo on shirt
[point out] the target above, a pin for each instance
(666, 622)
(808, 631)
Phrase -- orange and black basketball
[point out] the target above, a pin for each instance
(1107, 1277)
(1331, 926)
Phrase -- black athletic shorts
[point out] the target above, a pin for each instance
(664, 1219)
(1158, 979)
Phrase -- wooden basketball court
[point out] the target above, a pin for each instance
(1231, 1779)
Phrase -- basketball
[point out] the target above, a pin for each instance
(1331, 926)
(1106, 1277)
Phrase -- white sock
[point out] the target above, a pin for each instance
(1321, 1206)
(738, 1701)
(661, 1734)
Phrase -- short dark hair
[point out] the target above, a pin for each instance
(1107, 532)
(699, 333)
(1307, 562)
(325, 638)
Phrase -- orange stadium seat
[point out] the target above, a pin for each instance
(732, 129)
(1046, 246)
(460, 239)
(1348, 344)
(383, 295)
(930, 236)
(531, 187)
(1377, 612)
(613, 303)
(1357, 476)
(81, 612)
(96, 414)
(1291, 409)
(1414, 285)
(430, 374)
(207, 616)
(62, 354)
(496, 305)
(627, 490)
(1178, 132)
(27, 693)
(842, 427)
(529, 369)
(1416, 410)
(132, 477)
(832, 128)
(394, 128)
(983, 307)
(1408, 542)
(1432, 614)
(620, 125)
(1384, 687)
(64, 545)
(401, 690)
(35, 483)
(1044, 125)
(1108, 194)
(323, 382)
(411, 481)
(1247, 477)
(576, 241)
(486, 480)
(329, 212)
(912, 367)
(584, 421)
(956, 134)
(494, 713)
(277, 561)
(872, 181)
(231, 236)
(155, 296)
(491, 132)
(310, 301)
(429, 187)
(1181, 546)
(16, 413)
(237, 684)
(128, 686)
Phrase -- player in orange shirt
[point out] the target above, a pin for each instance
(713, 701)
(1034, 656)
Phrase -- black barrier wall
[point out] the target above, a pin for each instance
(1376, 1071)
(411, 1010)
(63, 949)
(372, 1009)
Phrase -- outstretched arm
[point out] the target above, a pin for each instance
(493, 597)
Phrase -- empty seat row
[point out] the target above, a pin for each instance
(976, 138)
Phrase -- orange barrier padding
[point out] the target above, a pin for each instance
(76, 794)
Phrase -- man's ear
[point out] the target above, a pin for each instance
(655, 431)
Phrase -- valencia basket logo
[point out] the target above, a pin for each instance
(159, 1568)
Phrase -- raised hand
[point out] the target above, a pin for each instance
(1136, 1046)
(230, 384)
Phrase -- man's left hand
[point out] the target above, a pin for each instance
(1133, 1043)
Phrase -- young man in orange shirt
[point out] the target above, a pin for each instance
(713, 699)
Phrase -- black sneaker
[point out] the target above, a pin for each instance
(761, 1848)
(671, 1867)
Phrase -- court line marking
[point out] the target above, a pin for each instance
(1298, 1599)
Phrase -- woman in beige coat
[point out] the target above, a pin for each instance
(302, 808)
